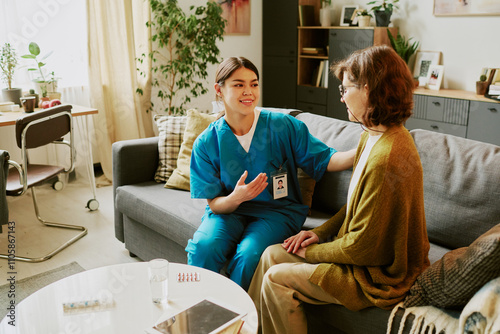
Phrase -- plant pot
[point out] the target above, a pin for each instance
(12, 95)
(481, 87)
(40, 87)
(383, 18)
(364, 21)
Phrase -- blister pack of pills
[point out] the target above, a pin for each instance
(188, 277)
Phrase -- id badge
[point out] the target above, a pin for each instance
(280, 185)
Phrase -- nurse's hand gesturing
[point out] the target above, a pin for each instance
(241, 193)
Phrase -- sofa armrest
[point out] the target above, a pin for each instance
(134, 161)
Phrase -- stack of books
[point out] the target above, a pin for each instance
(494, 82)
(313, 51)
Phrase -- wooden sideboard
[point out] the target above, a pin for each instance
(456, 112)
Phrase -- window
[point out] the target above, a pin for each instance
(57, 26)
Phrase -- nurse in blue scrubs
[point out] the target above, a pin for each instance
(245, 164)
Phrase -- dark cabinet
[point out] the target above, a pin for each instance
(279, 53)
(342, 43)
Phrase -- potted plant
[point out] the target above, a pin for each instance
(481, 85)
(364, 18)
(402, 46)
(189, 44)
(41, 84)
(383, 10)
(8, 63)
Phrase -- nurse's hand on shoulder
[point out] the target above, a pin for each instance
(297, 244)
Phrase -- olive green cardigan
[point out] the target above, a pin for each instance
(371, 255)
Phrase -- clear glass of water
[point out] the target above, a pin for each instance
(158, 280)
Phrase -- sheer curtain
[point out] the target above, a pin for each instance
(117, 35)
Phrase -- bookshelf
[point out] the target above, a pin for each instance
(332, 44)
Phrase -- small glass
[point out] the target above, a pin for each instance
(158, 280)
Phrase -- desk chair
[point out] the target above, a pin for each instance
(35, 130)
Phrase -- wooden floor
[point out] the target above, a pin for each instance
(98, 248)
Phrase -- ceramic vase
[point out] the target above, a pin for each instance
(325, 17)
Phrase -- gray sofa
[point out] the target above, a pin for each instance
(461, 189)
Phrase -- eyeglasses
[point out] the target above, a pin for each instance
(343, 89)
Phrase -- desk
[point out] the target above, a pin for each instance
(132, 311)
(8, 118)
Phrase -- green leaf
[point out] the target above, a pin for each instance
(34, 49)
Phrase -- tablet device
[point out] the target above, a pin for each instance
(205, 317)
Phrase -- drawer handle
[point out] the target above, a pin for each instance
(492, 109)
(437, 104)
(435, 127)
(311, 91)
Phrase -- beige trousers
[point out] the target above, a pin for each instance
(279, 288)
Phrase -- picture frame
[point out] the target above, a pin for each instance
(466, 8)
(435, 77)
(347, 14)
(423, 60)
(237, 14)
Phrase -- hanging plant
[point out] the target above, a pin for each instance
(183, 46)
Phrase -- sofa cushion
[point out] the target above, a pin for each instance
(461, 191)
(330, 193)
(454, 279)
(169, 212)
(197, 122)
(170, 133)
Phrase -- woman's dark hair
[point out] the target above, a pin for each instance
(389, 81)
(227, 67)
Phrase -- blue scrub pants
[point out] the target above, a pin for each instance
(241, 238)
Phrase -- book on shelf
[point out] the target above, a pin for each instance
(306, 15)
(326, 71)
(494, 90)
(313, 51)
(320, 73)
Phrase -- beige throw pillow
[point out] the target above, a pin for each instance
(196, 123)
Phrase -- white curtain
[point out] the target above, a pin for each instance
(117, 35)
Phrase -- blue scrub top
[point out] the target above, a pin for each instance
(280, 143)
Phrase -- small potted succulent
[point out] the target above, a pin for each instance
(481, 85)
(383, 10)
(8, 63)
(364, 18)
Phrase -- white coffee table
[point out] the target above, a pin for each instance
(133, 310)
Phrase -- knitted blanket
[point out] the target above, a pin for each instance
(481, 315)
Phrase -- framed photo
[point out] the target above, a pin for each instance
(347, 14)
(435, 77)
(423, 60)
(237, 14)
(466, 7)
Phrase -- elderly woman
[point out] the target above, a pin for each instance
(373, 249)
